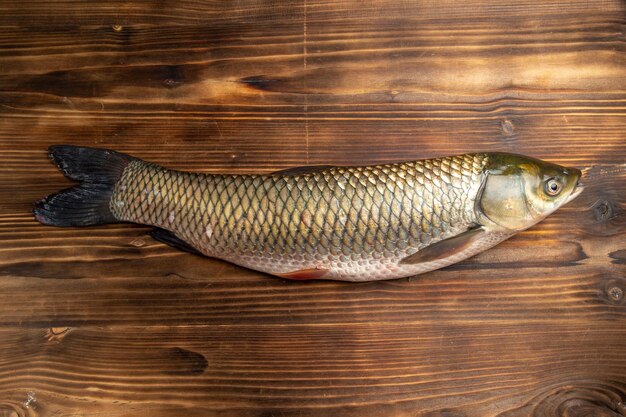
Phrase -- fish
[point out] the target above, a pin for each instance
(348, 223)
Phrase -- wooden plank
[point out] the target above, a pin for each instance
(361, 369)
(106, 321)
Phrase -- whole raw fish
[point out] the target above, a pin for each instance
(345, 223)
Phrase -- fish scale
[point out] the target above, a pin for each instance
(345, 220)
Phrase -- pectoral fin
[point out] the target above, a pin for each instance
(445, 248)
(174, 241)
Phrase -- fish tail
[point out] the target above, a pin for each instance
(86, 204)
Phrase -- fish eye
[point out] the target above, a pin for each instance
(553, 187)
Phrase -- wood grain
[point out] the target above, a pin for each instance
(106, 321)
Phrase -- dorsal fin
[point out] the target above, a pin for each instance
(445, 248)
(307, 169)
(169, 238)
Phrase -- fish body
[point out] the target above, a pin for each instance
(345, 223)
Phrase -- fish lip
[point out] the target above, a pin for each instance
(576, 191)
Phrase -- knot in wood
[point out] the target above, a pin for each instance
(57, 334)
(585, 408)
(603, 210)
(171, 83)
(138, 242)
(31, 399)
(179, 361)
(173, 75)
(572, 399)
(508, 129)
(615, 293)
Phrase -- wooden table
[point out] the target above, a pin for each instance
(105, 321)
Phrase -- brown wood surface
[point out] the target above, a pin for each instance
(104, 321)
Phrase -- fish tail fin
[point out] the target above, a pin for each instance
(86, 204)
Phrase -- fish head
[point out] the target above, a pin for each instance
(519, 191)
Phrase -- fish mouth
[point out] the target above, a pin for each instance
(576, 191)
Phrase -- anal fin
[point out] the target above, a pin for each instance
(169, 238)
(304, 274)
(445, 248)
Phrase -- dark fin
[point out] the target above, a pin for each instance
(169, 238)
(83, 205)
(87, 203)
(304, 274)
(445, 248)
(312, 169)
(92, 165)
